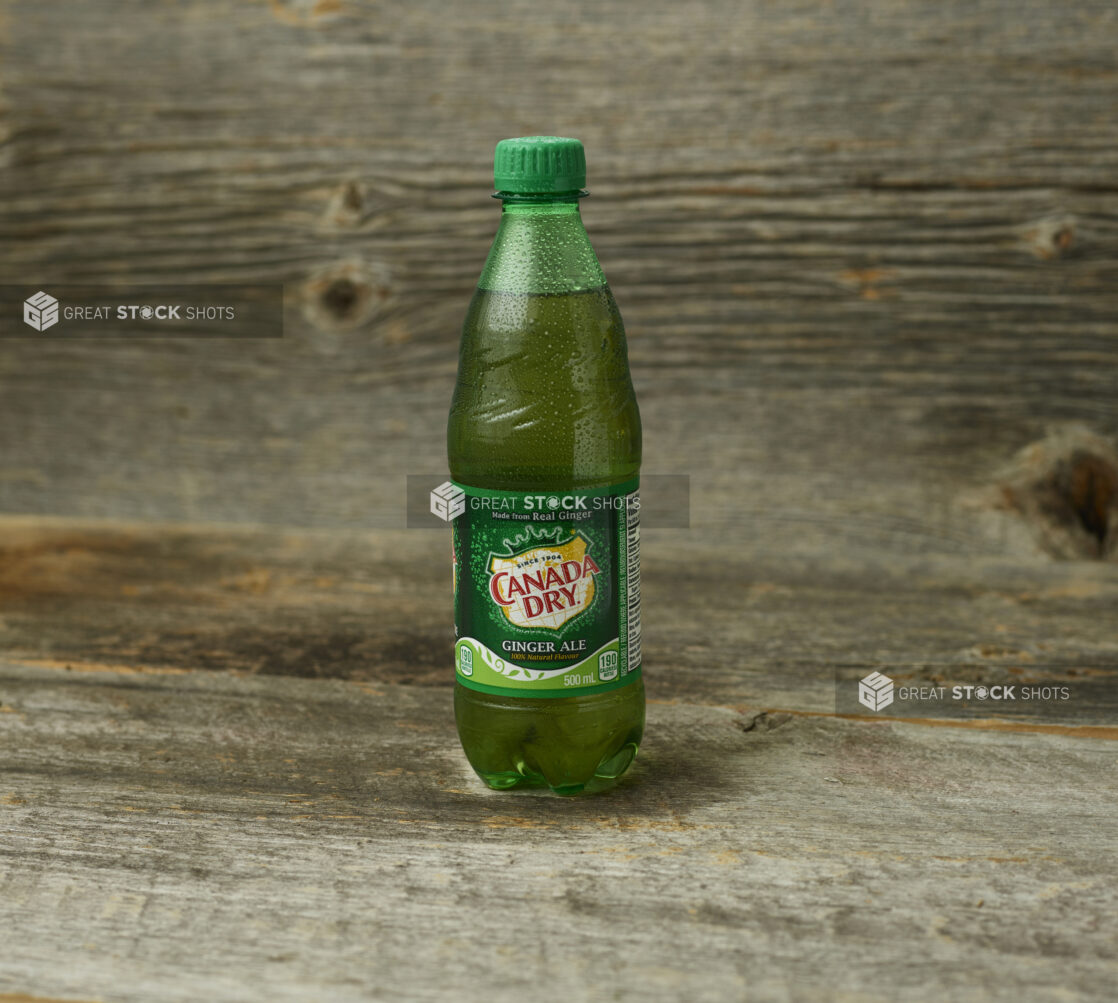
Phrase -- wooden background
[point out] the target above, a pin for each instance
(867, 255)
(865, 252)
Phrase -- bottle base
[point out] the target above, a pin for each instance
(578, 745)
(605, 776)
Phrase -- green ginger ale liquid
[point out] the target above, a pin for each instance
(544, 438)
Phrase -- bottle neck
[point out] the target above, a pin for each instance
(541, 247)
(538, 205)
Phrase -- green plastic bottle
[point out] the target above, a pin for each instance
(544, 441)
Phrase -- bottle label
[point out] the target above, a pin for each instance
(547, 591)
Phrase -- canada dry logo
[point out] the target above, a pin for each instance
(544, 586)
(875, 691)
(40, 311)
(448, 502)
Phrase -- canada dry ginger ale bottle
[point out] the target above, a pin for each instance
(544, 440)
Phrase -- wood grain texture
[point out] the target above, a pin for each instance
(199, 835)
(866, 253)
(721, 626)
(868, 260)
(24, 998)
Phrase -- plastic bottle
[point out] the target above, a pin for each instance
(544, 440)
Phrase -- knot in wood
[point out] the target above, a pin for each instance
(345, 296)
(1051, 237)
(1066, 488)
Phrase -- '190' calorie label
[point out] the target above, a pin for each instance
(547, 594)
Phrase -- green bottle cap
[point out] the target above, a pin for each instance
(539, 164)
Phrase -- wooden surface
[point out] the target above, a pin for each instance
(189, 835)
(868, 260)
(721, 625)
(268, 832)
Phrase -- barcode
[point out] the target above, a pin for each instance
(633, 577)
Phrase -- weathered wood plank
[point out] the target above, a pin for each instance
(198, 835)
(24, 998)
(722, 625)
(867, 256)
(866, 253)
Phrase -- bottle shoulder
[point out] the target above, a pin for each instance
(544, 398)
(541, 254)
